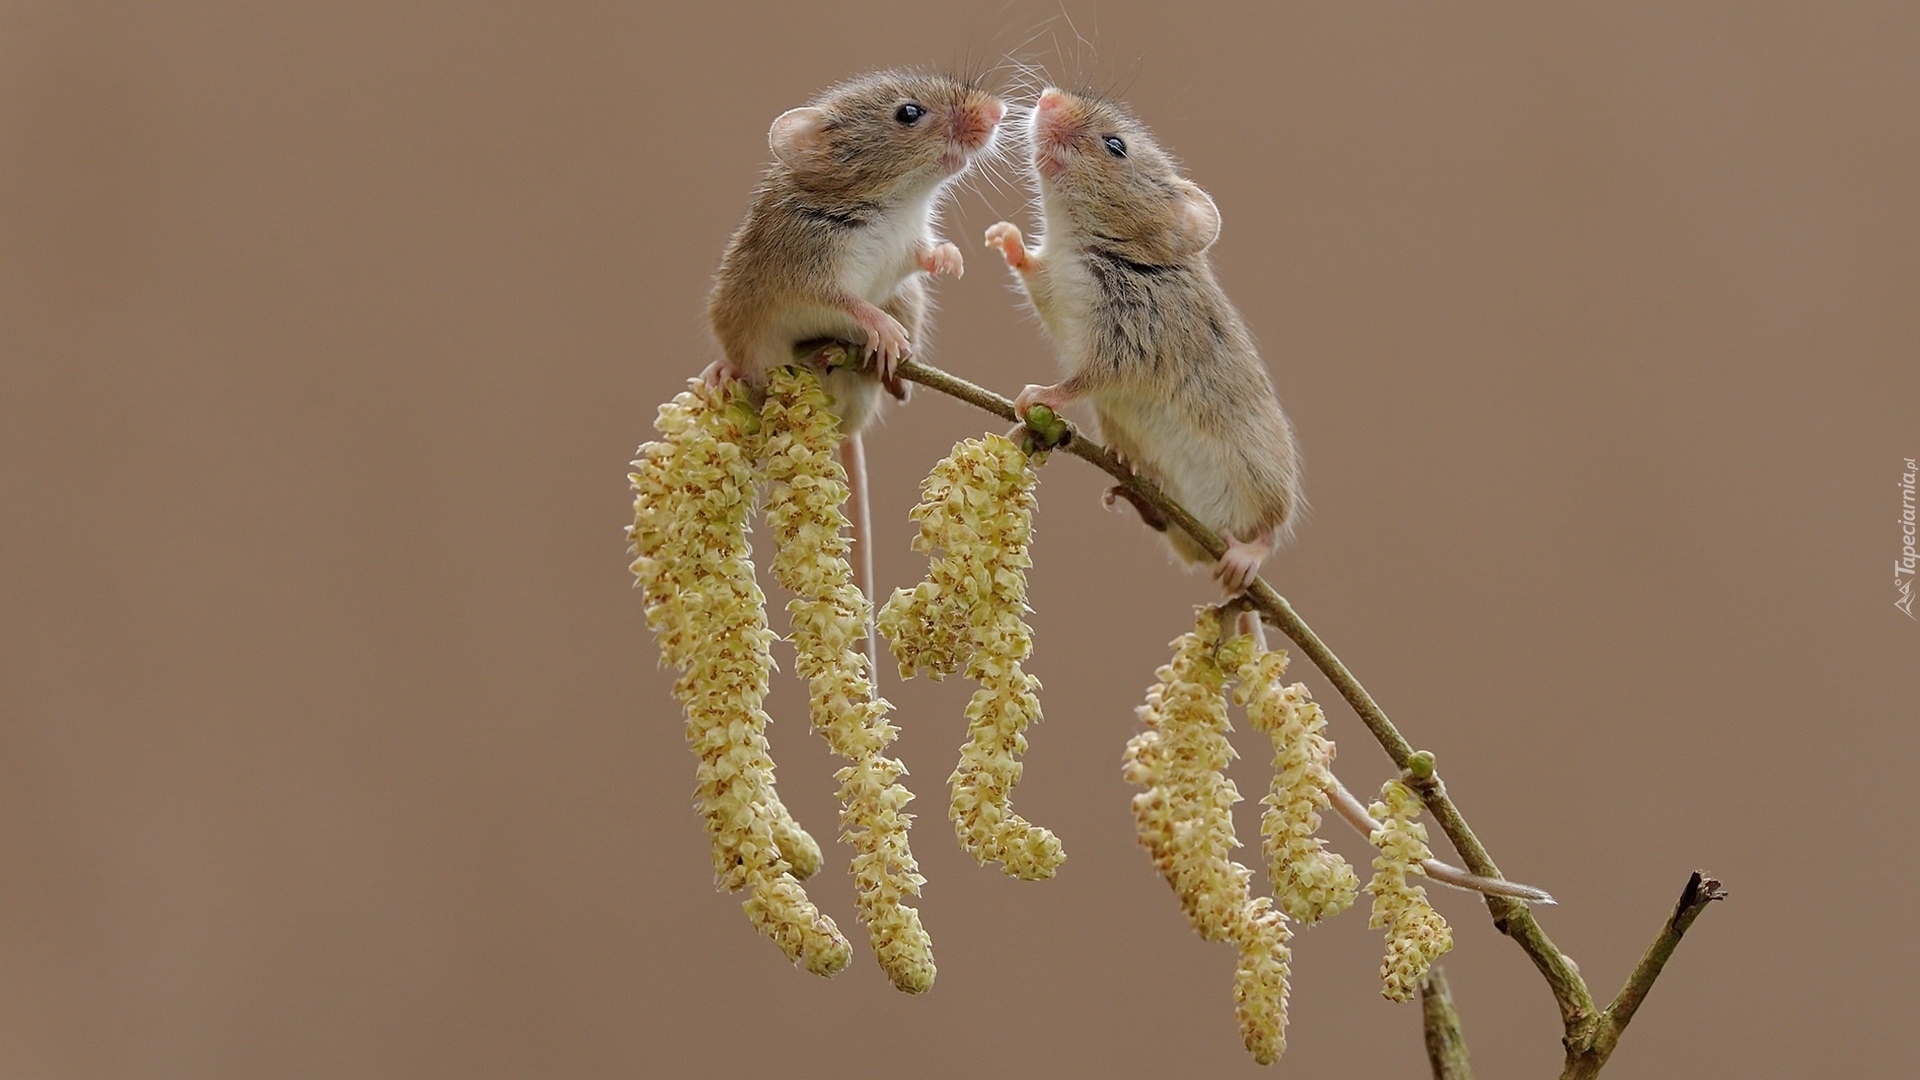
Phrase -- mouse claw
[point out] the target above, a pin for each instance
(1005, 235)
(887, 345)
(943, 258)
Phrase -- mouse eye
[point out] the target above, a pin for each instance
(909, 114)
(1116, 145)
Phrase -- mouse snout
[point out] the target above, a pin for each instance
(1054, 130)
(1055, 119)
(972, 124)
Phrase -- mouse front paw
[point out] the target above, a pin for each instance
(942, 258)
(1005, 235)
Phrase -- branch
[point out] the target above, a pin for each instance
(1590, 1038)
(1446, 1046)
(1589, 1049)
(1510, 916)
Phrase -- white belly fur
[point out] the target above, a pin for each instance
(1188, 464)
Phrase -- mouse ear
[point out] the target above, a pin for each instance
(1199, 219)
(796, 133)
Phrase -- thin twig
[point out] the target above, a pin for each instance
(1590, 1047)
(1446, 1045)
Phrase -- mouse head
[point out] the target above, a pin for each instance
(1100, 168)
(892, 135)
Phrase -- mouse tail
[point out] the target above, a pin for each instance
(853, 458)
(1350, 808)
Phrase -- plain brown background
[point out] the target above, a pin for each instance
(331, 739)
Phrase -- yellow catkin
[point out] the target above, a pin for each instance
(976, 511)
(1310, 883)
(1184, 817)
(1416, 934)
(1260, 981)
(806, 490)
(693, 494)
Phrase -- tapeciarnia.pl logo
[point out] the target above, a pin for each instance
(1903, 566)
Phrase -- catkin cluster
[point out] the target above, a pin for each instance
(1185, 820)
(1416, 934)
(976, 521)
(693, 494)
(1310, 883)
(1185, 815)
(806, 489)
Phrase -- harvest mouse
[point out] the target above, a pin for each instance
(1123, 285)
(839, 232)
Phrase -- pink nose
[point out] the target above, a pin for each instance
(993, 111)
(1049, 99)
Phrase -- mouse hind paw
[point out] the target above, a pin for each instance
(1241, 564)
(1051, 396)
(886, 343)
(720, 373)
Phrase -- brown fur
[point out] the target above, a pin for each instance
(838, 221)
(1123, 284)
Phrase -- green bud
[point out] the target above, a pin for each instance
(1047, 424)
